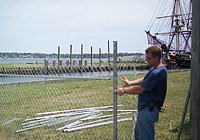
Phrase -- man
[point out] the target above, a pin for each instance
(151, 90)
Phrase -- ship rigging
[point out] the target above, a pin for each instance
(173, 32)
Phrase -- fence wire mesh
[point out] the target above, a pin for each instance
(64, 103)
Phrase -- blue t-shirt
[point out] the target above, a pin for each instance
(155, 85)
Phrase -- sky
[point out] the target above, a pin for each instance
(40, 26)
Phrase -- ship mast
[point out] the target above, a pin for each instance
(177, 26)
(180, 22)
(177, 22)
(175, 40)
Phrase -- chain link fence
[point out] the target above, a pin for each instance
(65, 103)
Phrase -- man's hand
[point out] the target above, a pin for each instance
(119, 91)
(125, 80)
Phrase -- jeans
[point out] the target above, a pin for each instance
(144, 129)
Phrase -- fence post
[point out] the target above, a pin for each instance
(81, 62)
(99, 57)
(108, 55)
(70, 63)
(115, 83)
(195, 77)
(58, 56)
(91, 57)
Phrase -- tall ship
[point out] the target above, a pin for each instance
(171, 29)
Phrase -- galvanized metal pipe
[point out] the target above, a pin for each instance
(95, 125)
(115, 84)
(80, 109)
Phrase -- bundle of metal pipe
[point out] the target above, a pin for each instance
(75, 119)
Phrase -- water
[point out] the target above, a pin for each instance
(5, 79)
(41, 60)
(21, 60)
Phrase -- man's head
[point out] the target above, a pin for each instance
(153, 55)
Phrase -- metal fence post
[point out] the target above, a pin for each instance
(115, 83)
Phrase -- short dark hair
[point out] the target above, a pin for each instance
(155, 51)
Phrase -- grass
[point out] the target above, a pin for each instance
(167, 127)
(27, 65)
(24, 100)
(23, 65)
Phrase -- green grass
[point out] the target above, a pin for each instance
(24, 100)
(16, 65)
(25, 65)
(167, 127)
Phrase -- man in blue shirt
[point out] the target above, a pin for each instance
(151, 90)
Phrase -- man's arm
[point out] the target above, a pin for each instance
(130, 90)
(129, 83)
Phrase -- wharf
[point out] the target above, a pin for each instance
(64, 70)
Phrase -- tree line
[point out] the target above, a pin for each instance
(54, 55)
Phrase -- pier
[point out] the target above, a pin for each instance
(65, 70)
